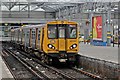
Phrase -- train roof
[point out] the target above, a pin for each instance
(62, 22)
(33, 26)
(29, 27)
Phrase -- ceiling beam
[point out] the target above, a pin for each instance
(24, 7)
(38, 6)
(12, 5)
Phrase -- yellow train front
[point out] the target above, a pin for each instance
(56, 41)
(60, 41)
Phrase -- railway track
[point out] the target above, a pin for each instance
(18, 68)
(40, 71)
(70, 73)
(81, 73)
(49, 72)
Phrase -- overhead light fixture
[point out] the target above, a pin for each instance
(112, 10)
(115, 8)
(116, 5)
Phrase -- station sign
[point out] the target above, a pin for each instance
(97, 27)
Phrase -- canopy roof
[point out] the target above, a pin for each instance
(55, 5)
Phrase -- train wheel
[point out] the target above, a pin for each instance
(32, 53)
(77, 62)
(55, 61)
(71, 63)
(48, 60)
(42, 58)
(28, 50)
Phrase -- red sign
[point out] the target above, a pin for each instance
(97, 27)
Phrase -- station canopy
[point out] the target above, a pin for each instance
(55, 5)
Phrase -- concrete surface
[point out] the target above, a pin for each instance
(100, 52)
(4, 72)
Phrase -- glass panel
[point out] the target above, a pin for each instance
(72, 31)
(61, 32)
(39, 35)
(33, 34)
(52, 31)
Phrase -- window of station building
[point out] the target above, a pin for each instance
(52, 31)
(72, 31)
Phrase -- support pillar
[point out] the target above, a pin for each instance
(108, 27)
(91, 30)
(104, 28)
(59, 14)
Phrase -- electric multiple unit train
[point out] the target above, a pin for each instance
(51, 42)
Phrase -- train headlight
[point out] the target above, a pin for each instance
(51, 46)
(73, 46)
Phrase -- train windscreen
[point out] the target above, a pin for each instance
(52, 31)
(62, 31)
(72, 31)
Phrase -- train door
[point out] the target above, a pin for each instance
(36, 39)
(62, 37)
(67, 37)
(30, 38)
(39, 31)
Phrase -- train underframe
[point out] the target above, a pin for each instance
(51, 58)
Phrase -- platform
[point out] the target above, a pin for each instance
(100, 52)
(4, 71)
(4, 38)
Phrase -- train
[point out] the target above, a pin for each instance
(55, 41)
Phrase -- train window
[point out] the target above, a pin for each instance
(38, 36)
(72, 29)
(27, 35)
(61, 32)
(33, 36)
(52, 31)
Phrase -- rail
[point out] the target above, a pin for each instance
(106, 70)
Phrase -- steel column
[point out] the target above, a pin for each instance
(104, 28)
(91, 29)
(108, 27)
(59, 14)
